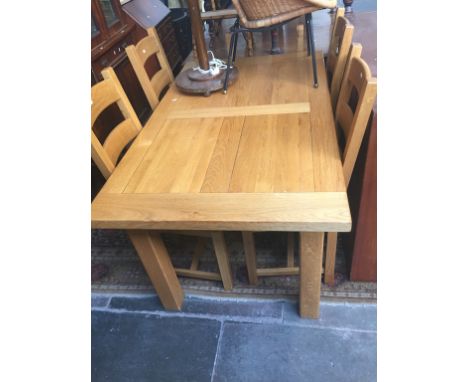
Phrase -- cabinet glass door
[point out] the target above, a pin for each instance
(94, 28)
(109, 12)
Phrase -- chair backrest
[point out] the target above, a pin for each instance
(354, 51)
(138, 56)
(355, 102)
(103, 94)
(339, 12)
(340, 42)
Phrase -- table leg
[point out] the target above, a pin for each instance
(153, 255)
(330, 258)
(311, 253)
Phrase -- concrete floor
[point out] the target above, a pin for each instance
(212, 339)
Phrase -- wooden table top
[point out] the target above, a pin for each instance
(262, 157)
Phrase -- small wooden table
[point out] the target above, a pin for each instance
(264, 157)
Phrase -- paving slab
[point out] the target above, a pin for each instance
(209, 306)
(139, 347)
(354, 316)
(270, 353)
(99, 301)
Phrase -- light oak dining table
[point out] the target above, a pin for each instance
(263, 157)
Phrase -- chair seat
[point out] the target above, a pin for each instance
(264, 13)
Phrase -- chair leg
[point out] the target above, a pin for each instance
(200, 247)
(312, 49)
(307, 19)
(227, 40)
(330, 258)
(250, 256)
(228, 69)
(250, 43)
(236, 36)
(290, 250)
(222, 256)
(218, 26)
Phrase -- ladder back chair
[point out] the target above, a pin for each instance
(251, 259)
(339, 12)
(152, 87)
(139, 55)
(106, 155)
(355, 102)
(103, 94)
(353, 109)
(340, 43)
(339, 54)
(341, 39)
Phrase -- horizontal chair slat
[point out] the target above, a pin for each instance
(198, 274)
(287, 271)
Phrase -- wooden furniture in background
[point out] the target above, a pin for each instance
(355, 102)
(364, 244)
(258, 159)
(154, 14)
(169, 43)
(183, 31)
(108, 23)
(111, 31)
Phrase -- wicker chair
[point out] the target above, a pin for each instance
(260, 15)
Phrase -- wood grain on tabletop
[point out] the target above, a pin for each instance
(231, 111)
(292, 152)
(274, 155)
(264, 80)
(219, 172)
